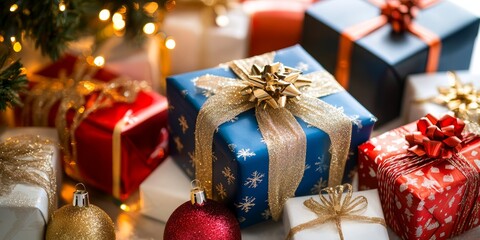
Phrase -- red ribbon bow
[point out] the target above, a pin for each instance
(436, 138)
(400, 13)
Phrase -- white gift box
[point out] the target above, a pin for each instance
(24, 211)
(295, 213)
(200, 43)
(164, 190)
(420, 87)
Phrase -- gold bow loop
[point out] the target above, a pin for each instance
(266, 87)
(27, 159)
(336, 206)
(458, 97)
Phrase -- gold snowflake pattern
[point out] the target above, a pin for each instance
(182, 121)
(317, 187)
(222, 193)
(178, 144)
(227, 173)
(246, 204)
(191, 159)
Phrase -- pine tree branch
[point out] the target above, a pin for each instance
(12, 81)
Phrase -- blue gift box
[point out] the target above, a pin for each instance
(381, 61)
(240, 167)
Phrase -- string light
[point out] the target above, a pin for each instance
(150, 7)
(99, 61)
(1, 38)
(12, 39)
(118, 22)
(104, 15)
(222, 20)
(170, 43)
(62, 6)
(13, 8)
(117, 17)
(149, 28)
(125, 207)
(17, 47)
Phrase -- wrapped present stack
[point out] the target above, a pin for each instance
(294, 119)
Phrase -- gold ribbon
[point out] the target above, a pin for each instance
(26, 159)
(462, 99)
(334, 209)
(285, 139)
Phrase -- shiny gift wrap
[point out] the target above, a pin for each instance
(112, 129)
(335, 214)
(431, 198)
(373, 54)
(243, 172)
(30, 173)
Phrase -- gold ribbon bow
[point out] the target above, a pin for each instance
(458, 97)
(26, 159)
(283, 135)
(334, 209)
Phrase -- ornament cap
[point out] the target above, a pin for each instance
(80, 196)
(197, 194)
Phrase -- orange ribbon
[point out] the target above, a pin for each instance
(400, 14)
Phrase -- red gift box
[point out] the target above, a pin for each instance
(274, 24)
(117, 146)
(430, 198)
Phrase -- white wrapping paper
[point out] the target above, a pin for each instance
(24, 211)
(424, 86)
(295, 213)
(164, 190)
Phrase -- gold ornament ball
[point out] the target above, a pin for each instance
(73, 222)
(80, 221)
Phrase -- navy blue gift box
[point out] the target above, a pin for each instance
(381, 60)
(240, 167)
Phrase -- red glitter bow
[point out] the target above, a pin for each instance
(400, 13)
(436, 138)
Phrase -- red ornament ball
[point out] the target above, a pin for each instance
(210, 220)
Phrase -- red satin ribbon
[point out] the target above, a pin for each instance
(436, 138)
(401, 20)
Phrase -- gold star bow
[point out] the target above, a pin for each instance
(274, 84)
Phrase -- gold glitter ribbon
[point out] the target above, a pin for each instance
(283, 135)
(334, 209)
(462, 99)
(28, 160)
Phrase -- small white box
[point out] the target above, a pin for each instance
(295, 213)
(164, 190)
(24, 211)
